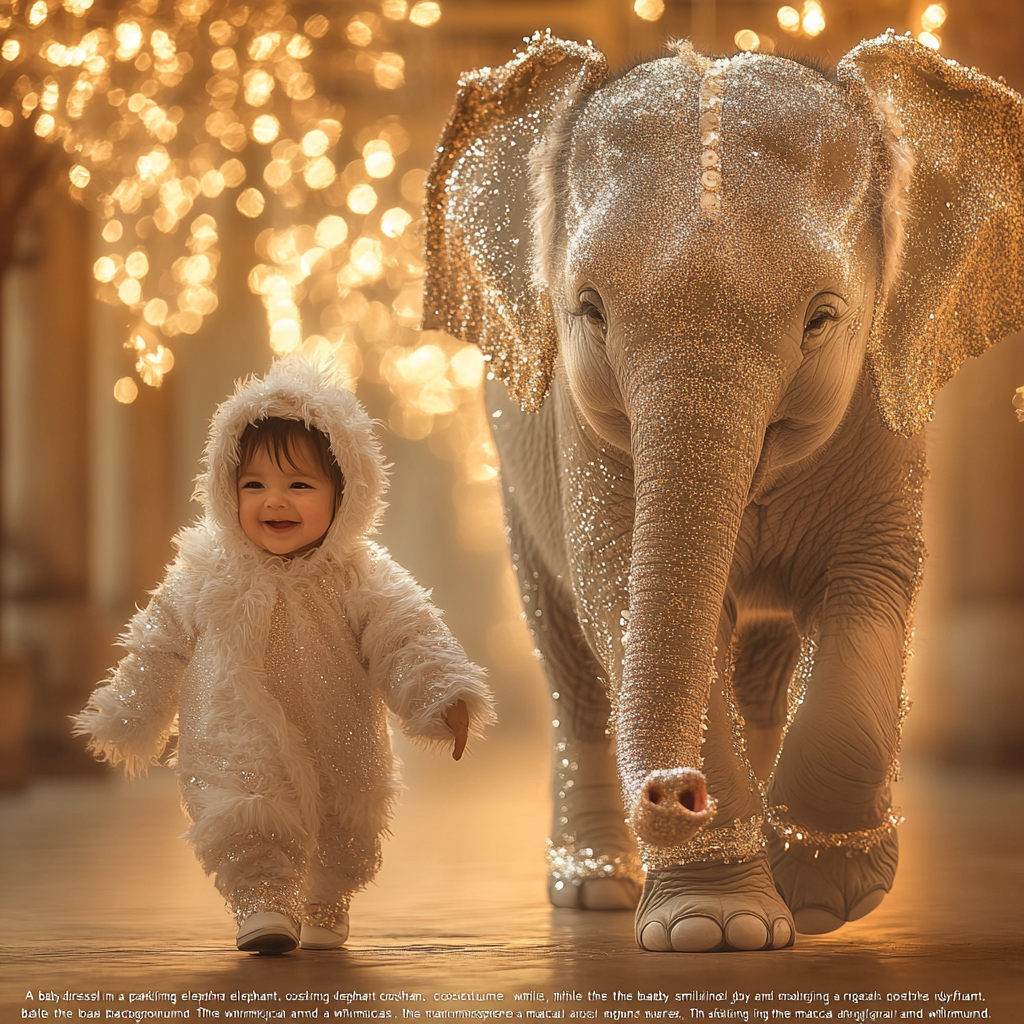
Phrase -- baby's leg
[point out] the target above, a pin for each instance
(257, 874)
(261, 876)
(262, 881)
(345, 862)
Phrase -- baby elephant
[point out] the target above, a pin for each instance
(720, 295)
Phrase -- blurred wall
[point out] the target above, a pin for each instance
(46, 481)
(92, 490)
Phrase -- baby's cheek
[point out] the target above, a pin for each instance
(246, 516)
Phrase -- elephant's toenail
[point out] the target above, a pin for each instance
(655, 938)
(696, 935)
(744, 931)
(782, 934)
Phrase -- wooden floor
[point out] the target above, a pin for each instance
(99, 896)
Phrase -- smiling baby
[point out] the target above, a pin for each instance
(277, 643)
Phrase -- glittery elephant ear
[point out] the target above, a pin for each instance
(479, 284)
(958, 216)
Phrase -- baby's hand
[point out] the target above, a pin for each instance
(457, 717)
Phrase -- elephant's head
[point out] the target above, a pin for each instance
(713, 249)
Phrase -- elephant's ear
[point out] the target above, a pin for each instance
(479, 237)
(954, 217)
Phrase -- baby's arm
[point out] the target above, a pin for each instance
(131, 718)
(429, 683)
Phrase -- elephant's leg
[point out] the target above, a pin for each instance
(593, 862)
(767, 649)
(719, 894)
(834, 848)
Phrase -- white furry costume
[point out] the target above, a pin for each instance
(280, 671)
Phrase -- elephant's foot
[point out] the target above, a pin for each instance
(600, 869)
(594, 893)
(592, 858)
(827, 888)
(711, 908)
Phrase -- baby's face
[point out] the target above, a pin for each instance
(285, 510)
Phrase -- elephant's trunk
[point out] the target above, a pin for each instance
(696, 443)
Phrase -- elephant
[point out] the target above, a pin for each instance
(716, 297)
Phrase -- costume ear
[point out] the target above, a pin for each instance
(956, 208)
(479, 243)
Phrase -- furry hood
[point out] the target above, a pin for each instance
(295, 388)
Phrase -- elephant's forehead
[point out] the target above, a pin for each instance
(778, 148)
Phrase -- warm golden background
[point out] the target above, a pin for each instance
(112, 363)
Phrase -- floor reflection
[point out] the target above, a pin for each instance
(99, 893)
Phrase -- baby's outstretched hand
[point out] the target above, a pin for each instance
(457, 717)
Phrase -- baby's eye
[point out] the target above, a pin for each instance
(252, 485)
(301, 484)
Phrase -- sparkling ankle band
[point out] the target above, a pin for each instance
(853, 842)
(740, 840)
(574, 867)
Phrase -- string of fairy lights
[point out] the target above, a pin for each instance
(180, 117)
(807, 22)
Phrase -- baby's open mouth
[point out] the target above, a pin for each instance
(279, 524)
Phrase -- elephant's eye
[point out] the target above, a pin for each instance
(825, 310)
(590, 308)
(819, 321)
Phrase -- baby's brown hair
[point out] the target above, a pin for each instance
(279, 438)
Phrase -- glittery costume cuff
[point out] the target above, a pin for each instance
(734, 843)
(410, 653)
(429, 674)
(861, 841)
(266, 897)
(574, 867)
(327, 915)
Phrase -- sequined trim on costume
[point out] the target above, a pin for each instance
(853, 842)
(579, 866)
(267, 897)
(735, 843)
(327, 915)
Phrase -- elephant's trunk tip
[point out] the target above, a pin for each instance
(673, 804)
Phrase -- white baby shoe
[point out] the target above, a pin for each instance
(267, 932)
(316, 937)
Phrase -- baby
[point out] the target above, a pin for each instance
(274, 648)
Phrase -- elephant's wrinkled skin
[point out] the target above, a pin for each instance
(716, 298)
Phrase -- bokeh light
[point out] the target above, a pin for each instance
(266, 128)
(425, 13)
(172, 126)
(788, 19)
(126, 390)
(649, 10)
(394, 221)
(362, 199)
(747, 39)
(933, 17)
(80, 176)
(813, 20)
